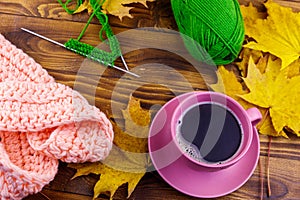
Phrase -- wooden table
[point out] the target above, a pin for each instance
(111, 90)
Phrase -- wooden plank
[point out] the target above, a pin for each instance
(158, 14)
(111, 89)
(142, 16)
(52, 194)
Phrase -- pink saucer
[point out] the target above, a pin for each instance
(188, 177)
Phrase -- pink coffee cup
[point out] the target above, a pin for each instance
(213, 130)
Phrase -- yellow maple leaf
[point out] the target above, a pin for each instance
(245, 55)
(266, 127)
(84, 6)
(128, 160)
(229, 84)
(251, 14)
(139, 119)
(275, 91)
(119, 8)
(278, 34)
(294, 69)
(113, 7)
(119, 178)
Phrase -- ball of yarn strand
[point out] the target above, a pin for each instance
(213, 30)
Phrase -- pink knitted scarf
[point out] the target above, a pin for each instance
(41, 122)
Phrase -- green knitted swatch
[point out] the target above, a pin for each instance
(212, 30)
(93, 53)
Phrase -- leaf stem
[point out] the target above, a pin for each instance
(45, 196)
(261, 180)
(258, 126)
(268, 167)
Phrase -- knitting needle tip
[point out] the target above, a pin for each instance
(43, 37)
(124, 62)
(126, 71)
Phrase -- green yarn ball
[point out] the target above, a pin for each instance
(213, 30)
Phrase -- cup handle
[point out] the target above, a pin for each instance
(254, 115)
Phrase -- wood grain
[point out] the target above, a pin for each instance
(109, 89)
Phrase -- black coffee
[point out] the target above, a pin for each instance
(213, 130)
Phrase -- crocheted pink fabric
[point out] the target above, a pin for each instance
(42, 121)
(23, 170)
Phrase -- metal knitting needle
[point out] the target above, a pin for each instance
(62, 45)
(124, 62)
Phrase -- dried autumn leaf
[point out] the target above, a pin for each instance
(112, 179)
(266, 127)
(139, 119)
(231, 86)
(119, 8)
(128, 160)
(245, 55)
(278, 34)
(278, 93)
(251, 14)
(113, 7)
(294, 69)
(84, 6)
